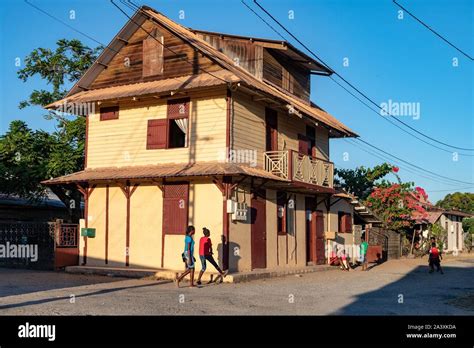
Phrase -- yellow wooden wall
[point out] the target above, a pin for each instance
(146, 212)
(122, 142)
(248, 129)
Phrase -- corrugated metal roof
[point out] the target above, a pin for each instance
(249, 79)
(143, 88)
(238, 74)
(162, 171)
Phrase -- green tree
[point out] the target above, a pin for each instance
(27, 157)
(468, 225)
(440, 234)
(459, 201)
(362, 181)
(67, 63)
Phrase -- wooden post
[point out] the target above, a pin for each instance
(86, 192)
(128, 192)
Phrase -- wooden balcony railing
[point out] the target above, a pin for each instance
(292, 165)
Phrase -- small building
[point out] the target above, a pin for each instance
(351, 220)
(451, 222)
(188, 127)
(48, 208)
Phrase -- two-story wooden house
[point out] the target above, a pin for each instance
(207, 129)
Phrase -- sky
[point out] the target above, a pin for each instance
(391, 59)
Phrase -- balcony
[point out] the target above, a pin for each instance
(294, 166)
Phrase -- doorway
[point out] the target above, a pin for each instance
(258, 230)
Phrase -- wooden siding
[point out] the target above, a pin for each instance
(248, 129)
(244, 53)
(285, 74)
(123, 142)
(182, 60)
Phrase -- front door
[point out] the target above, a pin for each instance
(320, 257)
(258, 231)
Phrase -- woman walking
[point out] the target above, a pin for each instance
(188, 257)
(205, 254)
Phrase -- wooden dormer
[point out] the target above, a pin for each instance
(275, 62)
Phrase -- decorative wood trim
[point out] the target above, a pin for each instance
(219, 185)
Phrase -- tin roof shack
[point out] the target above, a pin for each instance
(350, 218)
(13, 208)
(451, 222)
(204, 129)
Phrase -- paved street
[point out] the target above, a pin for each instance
(377, 291)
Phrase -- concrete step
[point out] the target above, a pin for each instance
(167, 274)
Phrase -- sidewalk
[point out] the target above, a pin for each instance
(167, 274)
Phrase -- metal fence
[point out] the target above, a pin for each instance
(37, 245)
(27, 245)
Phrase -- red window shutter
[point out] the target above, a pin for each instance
(345, 223)
(109, 113)
(156, 134)
(178, 108)
(175, 208)
(340, 222)
(348, 223)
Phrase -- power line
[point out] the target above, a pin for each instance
(437, 177)
(433, 31)
(82, 33)
(422, 174)
(388, 120)
(454, 189)
(268, 24)
(354, 87)
(69, 26)
(411, 164)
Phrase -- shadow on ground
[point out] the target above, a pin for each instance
(22, 281)
(420, 293)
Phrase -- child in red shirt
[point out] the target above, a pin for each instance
(435, 259)
(205, 254)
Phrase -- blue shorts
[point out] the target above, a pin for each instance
(362, 258)
(203, 262)
(189, 265)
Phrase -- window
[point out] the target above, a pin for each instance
(171, 132)
(271, 130)
(175, 208)
(344, 222)
(178, 116)
(153, 54)
(109, 113)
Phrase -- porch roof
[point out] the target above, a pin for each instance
(186, 82)
(170, 170)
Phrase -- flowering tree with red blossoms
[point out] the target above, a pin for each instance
(398, 204)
